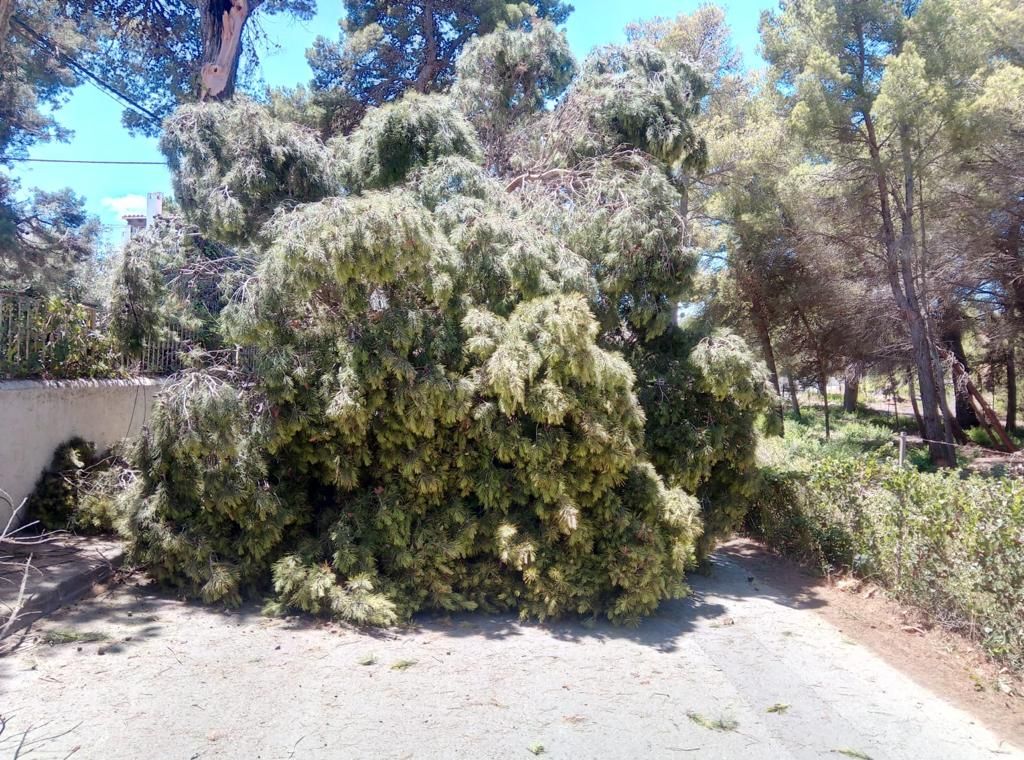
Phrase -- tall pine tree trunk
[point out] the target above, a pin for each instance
(221, 24)
(1011, 388)
(851, 388)
(913, 402)
(900, 274)
(793, 395)
(823, 385)
(952, 339)
(431, 47)
(764, 337)
(6, 11)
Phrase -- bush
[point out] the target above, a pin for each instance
(80, 490)
(65, 343)
(55, 498)
(454, 402)
(949, 543)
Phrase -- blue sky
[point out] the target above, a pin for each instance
(95, 118)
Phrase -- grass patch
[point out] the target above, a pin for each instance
(779, 708)
(713, 724)
(403, 664)
(59, 636)
(852, 753)
(536, 749)
(370, 659)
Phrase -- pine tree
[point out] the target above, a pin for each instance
(445, 411)
(604, 168)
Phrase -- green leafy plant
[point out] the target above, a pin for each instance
(80, 490)
(457, 382)
(62, 341)
(946, 542)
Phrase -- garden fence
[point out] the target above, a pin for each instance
(29, 337)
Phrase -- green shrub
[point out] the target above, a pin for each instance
(463, 386)
(949, 543)
(65, 343)
(79, 491)
(54, 499)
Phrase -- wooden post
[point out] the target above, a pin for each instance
(903, 447)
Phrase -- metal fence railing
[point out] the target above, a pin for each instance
(163, 355)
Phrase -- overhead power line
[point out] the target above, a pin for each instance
(84, 161)
(44, 44)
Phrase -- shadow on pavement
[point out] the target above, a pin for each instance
(131, 613)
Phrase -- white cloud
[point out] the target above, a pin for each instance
(125, 204)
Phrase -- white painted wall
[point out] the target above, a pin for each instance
(37, 416)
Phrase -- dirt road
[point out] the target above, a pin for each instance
(743, 669)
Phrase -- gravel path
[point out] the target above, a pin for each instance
(740, 670)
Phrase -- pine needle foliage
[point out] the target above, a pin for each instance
(603, 168)
(55, 498)
(445, 411)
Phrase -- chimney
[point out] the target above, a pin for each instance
(154, 207)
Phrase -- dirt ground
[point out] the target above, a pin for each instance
(762, 661)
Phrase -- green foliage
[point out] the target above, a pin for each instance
(644, 98)
(63, 342)
(602, 169)
(80, 490)
(444, 410)
(205, 515)
(946, 542)
(47, 241)
(416, 437)
(703, 398)
(509, 75)
(136, 299)
(234, 165)
(170, 279)
(393, 141)
(388, 50)
(54, 500)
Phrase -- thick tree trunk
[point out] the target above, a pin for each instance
(851, 388)
(221, 25)
(987, 415)
(793, 396)
(1011, 388)
(764, 337)
(900, 274)
(952, 340)
(823, 385)
(913, 403)
(990, 420)
(431, 63)
(952, 429)
(6, 11)
(935, 430)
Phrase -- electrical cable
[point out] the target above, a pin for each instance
(87, 161)
(49, 47)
